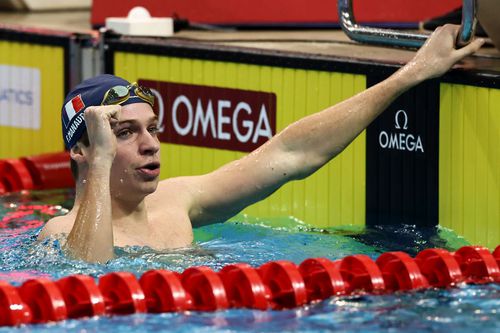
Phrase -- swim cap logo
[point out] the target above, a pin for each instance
(71, 108)
(74, 127)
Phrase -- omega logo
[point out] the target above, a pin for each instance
(216, 115)
(400, 140)
(213, 117)
(396, 119)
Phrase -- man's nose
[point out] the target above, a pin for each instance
(150, 144)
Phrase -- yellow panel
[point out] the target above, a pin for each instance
(333, 196)
(323, 98)
(334, 168)
(358, 148)
(52, 96)
(469, 154)
(311, 186)
(298, 111)
(445, 161)
(457, 137)
(23, 147)
(37, 143)
(493, 168)
(347, 191)
(469, 162)
(49, 60)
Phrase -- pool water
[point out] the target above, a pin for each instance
(466, 308)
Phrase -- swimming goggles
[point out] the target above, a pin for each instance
(119, 94)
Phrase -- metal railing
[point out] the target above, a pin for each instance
(391, 37)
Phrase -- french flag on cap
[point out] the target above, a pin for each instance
(71, 108)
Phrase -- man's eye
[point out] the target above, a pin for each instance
(153, 129)
(124, 133)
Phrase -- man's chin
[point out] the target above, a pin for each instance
(137, 189)
(151, 189)
(150, 186)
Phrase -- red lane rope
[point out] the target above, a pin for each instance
(274, 285)
(41, 172)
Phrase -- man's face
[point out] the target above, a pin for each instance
(136, 167)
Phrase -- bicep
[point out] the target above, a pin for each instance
(224, 192)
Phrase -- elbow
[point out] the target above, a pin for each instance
(305, 164)
(315, 160)
(297, 164)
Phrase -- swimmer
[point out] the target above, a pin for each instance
(112, 134)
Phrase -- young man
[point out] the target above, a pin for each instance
(119, 199)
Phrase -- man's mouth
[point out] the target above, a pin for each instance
(150, 170)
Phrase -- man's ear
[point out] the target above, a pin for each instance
(76, 153)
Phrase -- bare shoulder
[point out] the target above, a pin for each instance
(169, 211)
(57, 226)
(177, 192)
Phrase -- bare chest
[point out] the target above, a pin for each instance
(161, 230)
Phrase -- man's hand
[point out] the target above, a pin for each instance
(438, 54)
(100, 120)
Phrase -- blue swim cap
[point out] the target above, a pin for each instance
(88, 93)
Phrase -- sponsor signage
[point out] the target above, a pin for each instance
(204, 116)
(402, 159)
(20, 97)
(399, 138)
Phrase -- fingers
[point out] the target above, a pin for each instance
(100, 121)
(470, 48)
(100, 117)
(450, 33)
(452, 28)
(109, 112)
(447, 29)
(466, 50)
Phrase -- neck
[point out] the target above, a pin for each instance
(128, 209)
(123, 210)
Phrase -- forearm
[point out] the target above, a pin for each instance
(313, 141)
(316, 139)
(91, 237)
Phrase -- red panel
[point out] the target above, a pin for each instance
(203, 116)
(265, 11)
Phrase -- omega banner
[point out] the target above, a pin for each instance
(213, 117)
(402, 159)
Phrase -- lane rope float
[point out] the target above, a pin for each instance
(40, 172)
(274, 285)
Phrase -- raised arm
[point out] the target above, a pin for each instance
(91, 237)
(306, 145)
